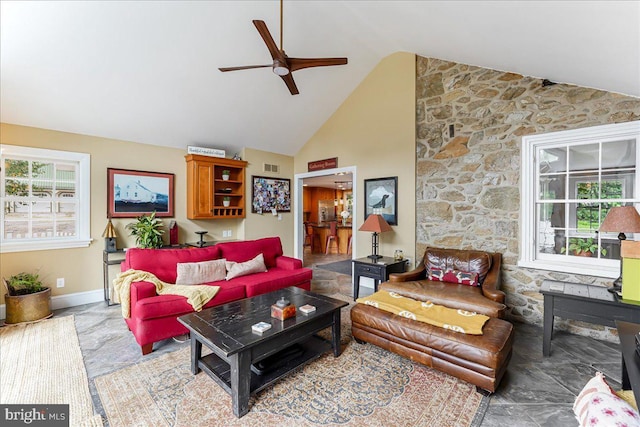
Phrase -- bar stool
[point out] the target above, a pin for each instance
(309, 236)
(333, 236)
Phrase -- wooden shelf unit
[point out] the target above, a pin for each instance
(206, 189)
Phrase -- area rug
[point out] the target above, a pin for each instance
(342, 267)
(365, 386)
(41, 363)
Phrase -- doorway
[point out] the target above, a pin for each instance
(324, 196)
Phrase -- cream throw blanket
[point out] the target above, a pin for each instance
(197, 295)
(467, 322)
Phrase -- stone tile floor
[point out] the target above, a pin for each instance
(536, 391)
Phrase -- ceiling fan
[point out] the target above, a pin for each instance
(283, 65)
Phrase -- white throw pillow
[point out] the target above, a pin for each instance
(608, 410)
(237, 269)
(196, 273)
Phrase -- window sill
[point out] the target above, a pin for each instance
(7, 247)
(572, 268)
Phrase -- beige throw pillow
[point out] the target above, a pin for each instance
(196, 273)
(237, 269)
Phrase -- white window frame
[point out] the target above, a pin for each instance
(529, 256)
(83, 195)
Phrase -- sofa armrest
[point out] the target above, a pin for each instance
(142, 290)
(420, 272)
(288, 263)
(491, 284)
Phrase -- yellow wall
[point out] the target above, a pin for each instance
(256, 225)
(374, 130)
(82, 267)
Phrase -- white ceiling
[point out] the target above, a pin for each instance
(146, 71)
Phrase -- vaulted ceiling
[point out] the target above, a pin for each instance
(147, 71)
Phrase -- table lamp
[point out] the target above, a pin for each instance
(109, 235)
(376, 224)
(623, 219)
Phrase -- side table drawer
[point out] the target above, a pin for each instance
(370, 270)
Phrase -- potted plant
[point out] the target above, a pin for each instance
(225, 174)
(148, 231)
(26, 300)
(226, 201)
(583, 247)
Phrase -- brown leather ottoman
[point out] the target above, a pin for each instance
(478, 359)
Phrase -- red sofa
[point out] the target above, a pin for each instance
(154, 317)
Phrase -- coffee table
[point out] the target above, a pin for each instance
(226, 330)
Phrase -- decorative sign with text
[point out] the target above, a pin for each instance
(323, 164)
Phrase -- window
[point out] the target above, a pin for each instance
(570, 180)
(45, 198)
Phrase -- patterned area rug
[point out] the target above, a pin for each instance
(365, 386)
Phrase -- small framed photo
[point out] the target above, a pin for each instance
(380, 197)
(270, 195)
(133, 193)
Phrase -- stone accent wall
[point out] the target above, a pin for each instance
(467, 186)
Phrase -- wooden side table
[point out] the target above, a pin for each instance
(378, 270)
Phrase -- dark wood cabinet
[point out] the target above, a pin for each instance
(208, 191)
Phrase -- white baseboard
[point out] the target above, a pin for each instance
(70, 300)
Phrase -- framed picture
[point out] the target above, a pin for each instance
(133, 193)
(380, 197)
(270, 193)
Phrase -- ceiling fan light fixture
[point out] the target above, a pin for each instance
(280, 69)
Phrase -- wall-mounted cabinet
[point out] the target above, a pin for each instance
(210, 193)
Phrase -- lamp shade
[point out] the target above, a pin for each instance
(109, 231)
(621, 219)
(376, 224)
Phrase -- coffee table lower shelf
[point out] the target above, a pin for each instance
(220, 370)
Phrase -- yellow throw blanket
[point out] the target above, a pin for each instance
(467, 322)
(197, 295)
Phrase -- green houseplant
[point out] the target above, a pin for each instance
(226, 201)
(27, 299)
(148, 231)
(583, 247)
(225, 174)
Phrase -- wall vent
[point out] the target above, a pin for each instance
(270, 168)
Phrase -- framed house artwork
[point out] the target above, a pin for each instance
(133, 193)
(380, 197)
(268, 194)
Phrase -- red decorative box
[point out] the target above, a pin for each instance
(283, 313)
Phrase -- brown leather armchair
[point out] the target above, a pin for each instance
(479, 359)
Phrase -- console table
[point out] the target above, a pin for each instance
(378, 270)
(630, 359)
(587, 303)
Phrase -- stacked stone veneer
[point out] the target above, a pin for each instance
(468, 185)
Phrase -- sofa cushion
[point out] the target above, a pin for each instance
(453, 276)
(450, 295)
(238, 269)
(163, 262)
(453, 259)
(195, 273)
(175, 305)
(275, 279)
(269, 247)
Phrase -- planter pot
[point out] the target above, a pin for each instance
(28, 308)
(226, 203)
(225, 177)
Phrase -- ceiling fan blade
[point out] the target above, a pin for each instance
(300, 63)
(288, 80)
(268, 40)
(246, 67)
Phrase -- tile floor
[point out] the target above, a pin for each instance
(536, 391)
